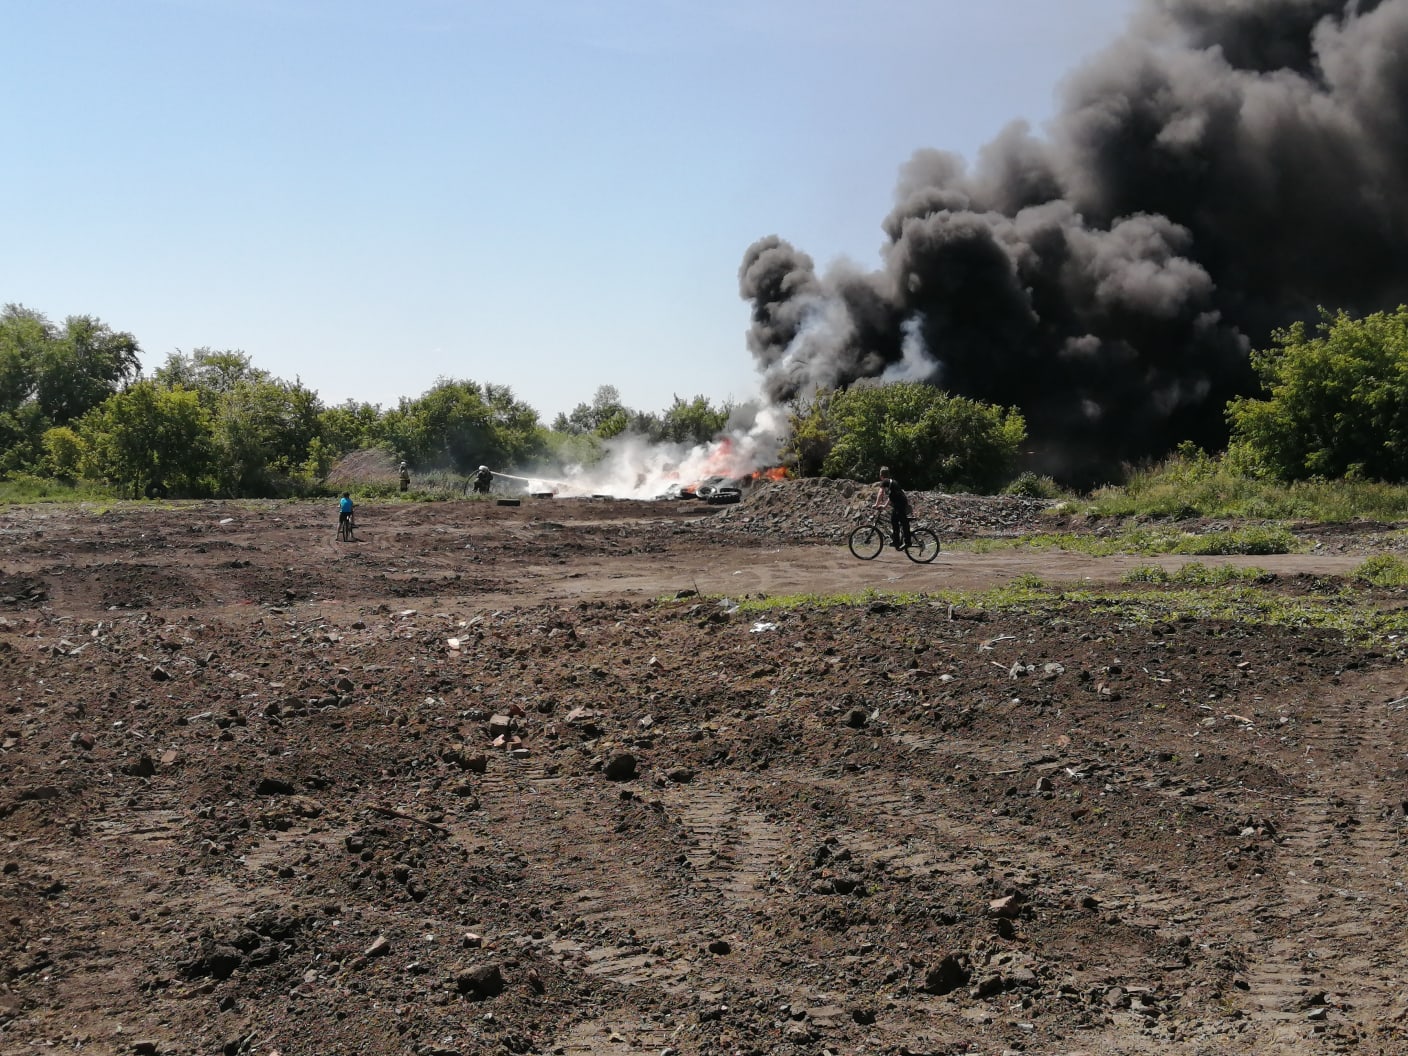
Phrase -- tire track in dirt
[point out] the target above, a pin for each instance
(919, 832)
(733, 846)
(94, 978)
(605, 890)
(640, 913)
(1315, 972)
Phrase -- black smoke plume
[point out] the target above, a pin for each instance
(1223, 169)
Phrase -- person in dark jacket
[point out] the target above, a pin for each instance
(890, 494)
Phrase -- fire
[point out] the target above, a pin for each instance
(775, 473)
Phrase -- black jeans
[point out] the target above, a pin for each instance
(899, 526)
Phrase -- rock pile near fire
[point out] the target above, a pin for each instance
(818, 509)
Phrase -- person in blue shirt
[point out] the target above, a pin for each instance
(344, 516)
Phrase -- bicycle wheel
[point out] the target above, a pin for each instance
(866, 542)
(923, 546)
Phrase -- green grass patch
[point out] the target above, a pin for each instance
(1382, 570)
(1348, 612)
(1193, 484)
(1197, 574)
(783, 602)
(1256, 539)
(20, 488)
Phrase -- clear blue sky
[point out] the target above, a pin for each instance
(550, 194)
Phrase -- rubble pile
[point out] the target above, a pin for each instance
(820, 510)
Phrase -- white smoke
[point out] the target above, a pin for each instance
(915, 363)
(634, 467)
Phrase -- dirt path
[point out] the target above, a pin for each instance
(823, 570)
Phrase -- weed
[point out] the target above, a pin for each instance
(1201, 595)
(1383, 570)
(23, 488)
(1256, 539)
(1194, 484)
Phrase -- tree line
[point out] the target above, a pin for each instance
(75, 405)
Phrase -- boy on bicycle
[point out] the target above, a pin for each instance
(344, 516)
(892, 495)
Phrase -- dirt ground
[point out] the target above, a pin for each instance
(469, 785)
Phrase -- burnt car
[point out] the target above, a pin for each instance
(719, 491)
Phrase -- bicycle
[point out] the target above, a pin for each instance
(868, 540)
(345, 528)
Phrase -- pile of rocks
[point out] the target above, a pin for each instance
(817, 509)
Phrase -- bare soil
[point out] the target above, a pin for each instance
(468, 785)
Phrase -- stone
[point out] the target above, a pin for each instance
(989, 986)
(379, 948)
(946, 976)
(142, 766)
(620, 767)
(1009, 906)
(720, 947)
(480, 982)
(1021, 979)
(273, 786)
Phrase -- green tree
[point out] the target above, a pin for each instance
(82, 364)
(351, 426)
(928, 438)
(22, 437)
(1335, 403)
(605, 416)
(24, 335)
(263, 429)
(148, 433)
(51, 375)
(463, 424)
(208, 371)
(63, 453)
(694, 422)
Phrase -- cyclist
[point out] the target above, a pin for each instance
(890, 494)
(344, 516)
